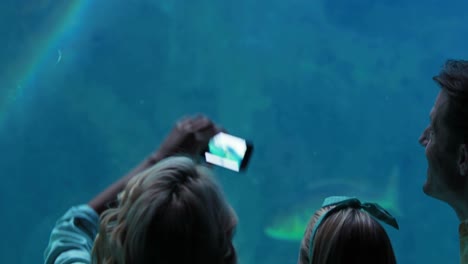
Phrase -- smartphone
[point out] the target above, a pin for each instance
(228, 151)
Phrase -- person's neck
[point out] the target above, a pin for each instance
(460, 205)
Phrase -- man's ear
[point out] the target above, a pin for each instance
(463, 160)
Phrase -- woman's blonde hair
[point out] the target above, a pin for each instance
(349, 236)
(174, 212)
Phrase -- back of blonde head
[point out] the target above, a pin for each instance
(173, 212)
(349, 236)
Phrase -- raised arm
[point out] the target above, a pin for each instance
(189, 137)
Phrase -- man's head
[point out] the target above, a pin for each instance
(446, 137)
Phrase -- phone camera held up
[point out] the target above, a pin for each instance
(229, 152)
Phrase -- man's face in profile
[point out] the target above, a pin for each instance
(441, 156)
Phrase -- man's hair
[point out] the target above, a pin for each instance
(174, 212)
(350, 236)
(453, 79)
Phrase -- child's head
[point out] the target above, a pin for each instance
(345, 231)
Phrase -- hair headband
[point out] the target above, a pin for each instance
(341, 202)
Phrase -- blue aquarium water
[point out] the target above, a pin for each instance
(333, 94)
